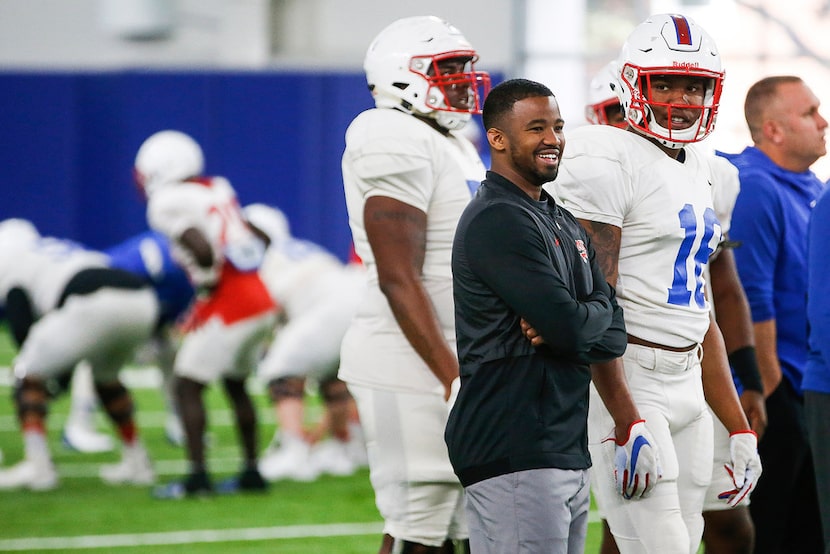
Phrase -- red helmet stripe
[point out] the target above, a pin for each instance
(684, 33)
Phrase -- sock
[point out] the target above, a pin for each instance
(128, 432)
(34, 443)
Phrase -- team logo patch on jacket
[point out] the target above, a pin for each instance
(583, 252)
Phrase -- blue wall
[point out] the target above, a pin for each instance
(68, 140)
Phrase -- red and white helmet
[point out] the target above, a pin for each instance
(669, 44)
(603, 95)
(167, 157)
(401, 67)
(270, 220)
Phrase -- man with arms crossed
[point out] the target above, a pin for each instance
(517, 434)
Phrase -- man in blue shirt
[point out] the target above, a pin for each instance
(770, 220)
(816, 383)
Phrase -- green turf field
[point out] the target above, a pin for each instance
(330, 515)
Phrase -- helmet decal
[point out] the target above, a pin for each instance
(684, 33)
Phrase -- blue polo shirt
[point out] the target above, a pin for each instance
(817, 371)
(770, 220)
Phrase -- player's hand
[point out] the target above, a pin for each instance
(636, 462)
(532, 335)
(455, 386)
(744, 468)
(755, 409)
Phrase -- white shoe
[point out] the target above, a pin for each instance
(331, 456)
(36, 475)
(133, 469)
(83, 439)
(291, 460)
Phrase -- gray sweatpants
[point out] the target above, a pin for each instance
(533, 511)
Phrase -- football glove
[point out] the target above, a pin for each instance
(744, 468)
(636, 463)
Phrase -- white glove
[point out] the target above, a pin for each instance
(636, 463)
(745, 467)
(454, 388)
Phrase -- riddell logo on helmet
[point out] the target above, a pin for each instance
(685, 65)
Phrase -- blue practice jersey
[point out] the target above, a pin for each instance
(148, 255)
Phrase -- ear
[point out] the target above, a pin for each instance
(773, 132)
(496, 139)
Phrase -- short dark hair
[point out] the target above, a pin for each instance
(758, 96)
(500, 100)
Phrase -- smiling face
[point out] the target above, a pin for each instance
(529, 142)
(676, 100)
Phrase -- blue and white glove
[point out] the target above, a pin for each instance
(745, 467)
(636, 462)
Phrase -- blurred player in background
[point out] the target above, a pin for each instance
(233, 313)
(604, 106)
(726, 529)
(319, 295)
(408, 173)
(148, 256)
(64, 307)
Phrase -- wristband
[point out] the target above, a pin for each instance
(745, 366)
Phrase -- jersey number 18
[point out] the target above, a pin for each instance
(680, 293)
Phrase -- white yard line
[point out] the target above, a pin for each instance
(191, 537)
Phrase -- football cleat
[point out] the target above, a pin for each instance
(82, 439)
(249, 480)
(36, 475)
(133, 469)
(332, 457)
(195, 485)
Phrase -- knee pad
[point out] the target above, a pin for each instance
(30, 397)
(333, 389)
(286, 387)
(116, 401)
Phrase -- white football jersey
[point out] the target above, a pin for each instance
(209, 205)
(725, 188)
(392, 154)
(298, 273)
(669, 226)
(43, 267)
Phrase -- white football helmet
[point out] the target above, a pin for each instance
(269, 220)
(669, 44)
(19, 231)
(167, 157)
(603, 95)
(401, 67)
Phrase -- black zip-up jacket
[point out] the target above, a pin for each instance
(522, 407)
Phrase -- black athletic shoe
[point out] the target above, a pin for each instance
(249, 480)
(194, 486)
